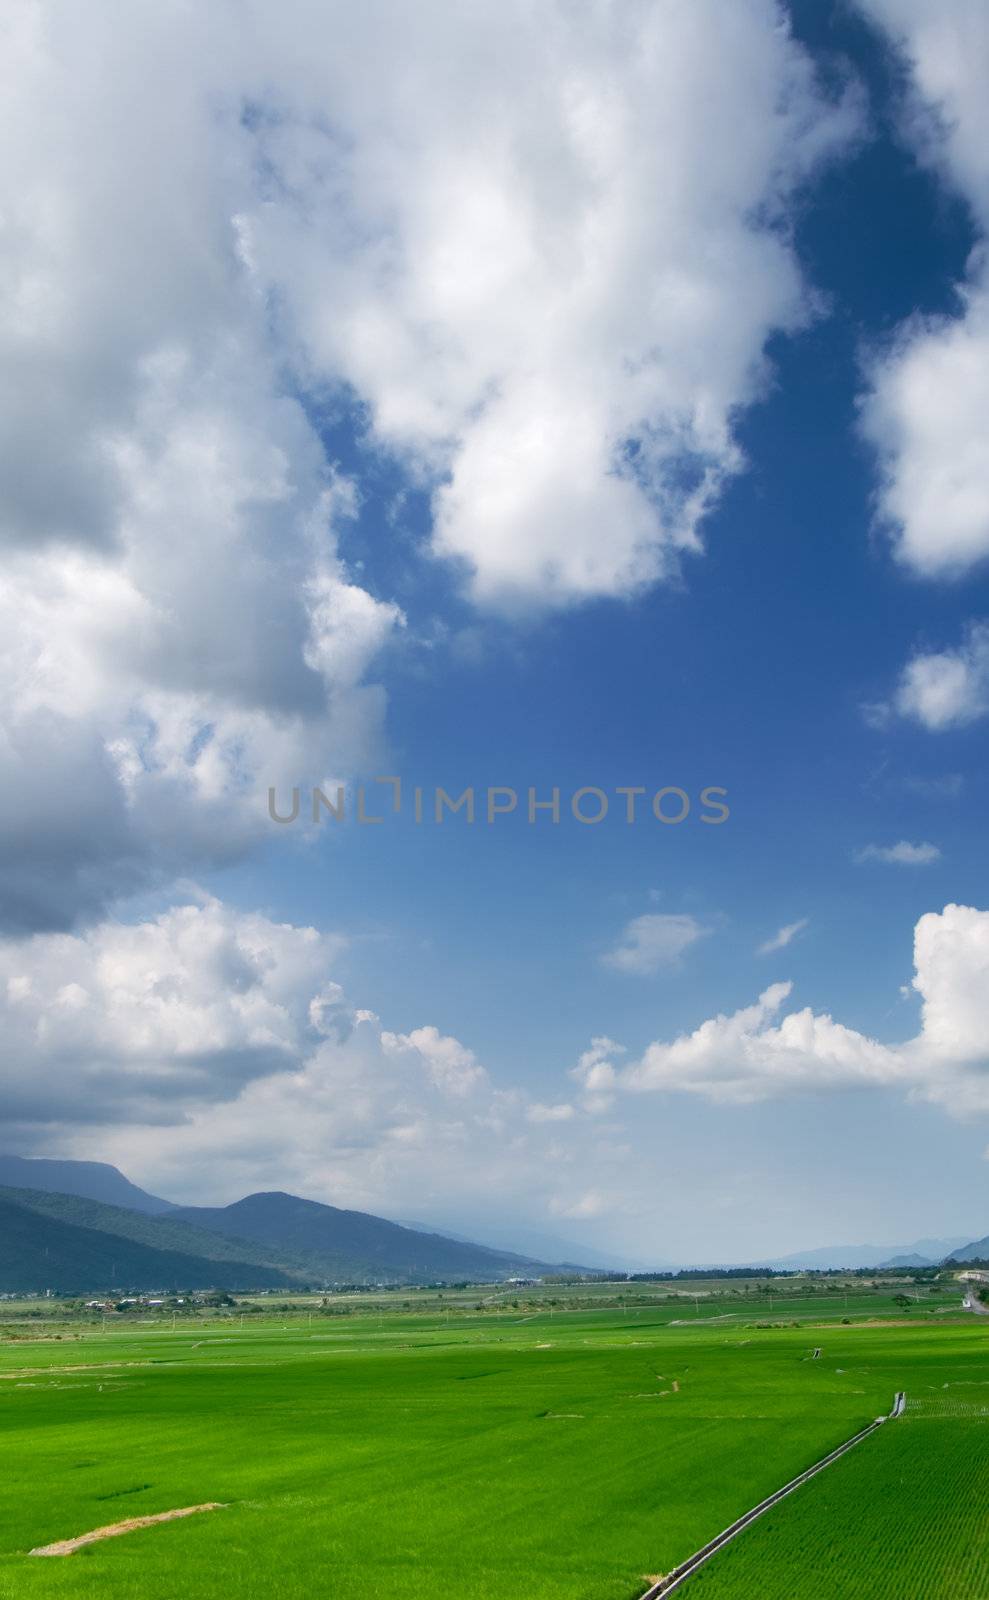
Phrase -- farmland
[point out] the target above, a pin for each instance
(904, 1515)
(490, 1445)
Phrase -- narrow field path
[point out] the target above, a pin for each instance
(68, 1547)
(680, 1574)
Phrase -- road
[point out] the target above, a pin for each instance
(686, 1569)
(972, 1302)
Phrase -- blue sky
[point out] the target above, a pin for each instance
(809, 640)
(749, 673)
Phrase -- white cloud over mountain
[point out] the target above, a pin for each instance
(215, 1051)
(132, 1020)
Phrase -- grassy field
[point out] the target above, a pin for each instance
(905, 1514)
(564, 1451)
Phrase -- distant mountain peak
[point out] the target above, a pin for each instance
(92, 1180)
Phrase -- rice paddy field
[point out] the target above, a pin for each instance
(500, 1452)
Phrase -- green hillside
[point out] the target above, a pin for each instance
(265, 1240)
(159, 1232)
(39, 1252)
(353, 1244)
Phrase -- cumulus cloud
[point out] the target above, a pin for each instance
(448, 1063)
(177, 626)
(785, 936)
(652, 942)
(764, 1051)
(146, 1019)
(947, 688)
(538, 254)
(596, 1072)
(951, 957)
(216, 1052)
(901, 854)
(929, 392)
(544, 249)
(748, 1056)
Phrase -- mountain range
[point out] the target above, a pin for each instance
(95, 1180)
(78, 1226)
(71, 1239)
(978, 1250)
(921, 1252)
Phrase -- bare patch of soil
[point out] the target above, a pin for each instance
(66, 1547)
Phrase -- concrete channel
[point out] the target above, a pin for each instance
(673, 1580)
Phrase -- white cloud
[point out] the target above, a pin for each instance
(147, 1019)
(930, 390)
(951, 957)
(215, 1052)
(654, 941)
(555, 1113)
(785, 936)
(177, 627)
(540, 253)
(748, 1056)
(929, 394)
(449, 1064)
(597, 1074)
(902, 854)
(759, 1052)
(947, 688)
(544, 249)
(526, 241)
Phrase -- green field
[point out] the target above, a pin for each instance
(498, 1454)
(905, 1514)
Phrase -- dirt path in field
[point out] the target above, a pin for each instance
(66, 1547)
(673, 1580)
(78, 1366)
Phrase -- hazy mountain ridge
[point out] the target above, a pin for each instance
(535, 1245)
(93, 1180)
(160, 1232)
(336, 1238)
(977, 1250)
(39, 1252)
(861, 1255)
(276, 1239)
(69, 1241)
